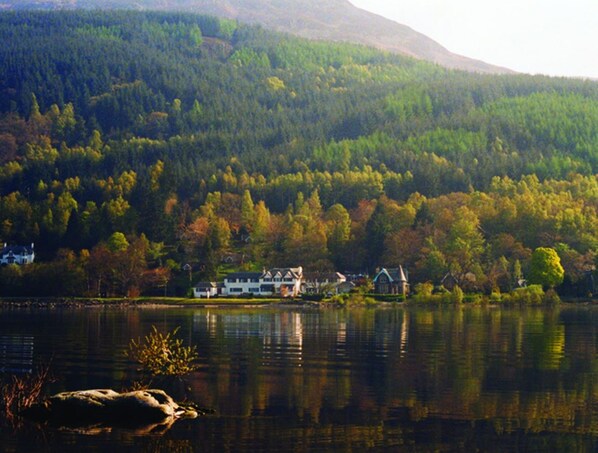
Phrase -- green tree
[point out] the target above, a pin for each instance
(546, 268)
(117, 242)
(247, 211)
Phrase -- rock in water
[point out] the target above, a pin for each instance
(109, 407)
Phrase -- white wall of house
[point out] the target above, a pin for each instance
(262, 284)
(199, 293)
(239, 286)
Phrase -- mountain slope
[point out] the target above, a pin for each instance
(188, 131)
(335, 20)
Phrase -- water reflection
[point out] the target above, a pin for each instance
(16, 353)
(446, 378)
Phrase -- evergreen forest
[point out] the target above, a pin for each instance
(138, 149)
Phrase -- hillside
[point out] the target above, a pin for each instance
(169, 139)
(332, 20)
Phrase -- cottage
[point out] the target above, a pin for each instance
(234, 258)
(17, 254)
(466, 281)
(327, 283)
(391, 281)
(449, 281)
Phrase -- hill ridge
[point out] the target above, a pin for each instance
(332, 20)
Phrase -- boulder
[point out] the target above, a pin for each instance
(109, 407)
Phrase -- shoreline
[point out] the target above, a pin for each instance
(148, 302)
(161, 302)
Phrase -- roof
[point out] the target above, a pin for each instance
(296, 272)
(235, 275)
(17, 249)
(205, 285)
(396, 274)
(324, 276)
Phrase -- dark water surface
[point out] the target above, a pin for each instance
(397, 379)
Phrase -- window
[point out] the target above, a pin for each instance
(288, 279)
(267, 279)
(277, 279)
(254, 290)
(235, 290)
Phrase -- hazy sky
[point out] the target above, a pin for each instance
(555, 37)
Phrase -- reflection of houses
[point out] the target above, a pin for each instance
(17, 254)
(326, 283)
(391, 281)
(280, 333)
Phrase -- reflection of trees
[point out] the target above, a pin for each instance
(350, 378)
(521, 369)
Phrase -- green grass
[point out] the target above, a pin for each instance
(145, 300)
(211, 301)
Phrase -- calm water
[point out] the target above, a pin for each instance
(397, 379)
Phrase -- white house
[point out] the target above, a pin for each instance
(17, 254)
(205, 289)
(283, 281)
(238, 283)
(278, 281)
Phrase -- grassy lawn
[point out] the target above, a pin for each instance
(211, 301)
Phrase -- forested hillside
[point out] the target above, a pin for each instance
(134, 143)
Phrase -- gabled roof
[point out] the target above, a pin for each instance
(290, 272)
(17, 249)
(395, 275)
(324, 276)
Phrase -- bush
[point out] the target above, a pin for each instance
(387, 297)
(495, 297)
(457, 295)
(312, 297)
(162, 354)
(21, 393)
(551, 297)
(473, 299)
(530, 295)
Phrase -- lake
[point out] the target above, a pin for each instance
(285, 379)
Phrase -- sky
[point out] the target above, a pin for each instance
(553, 37)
